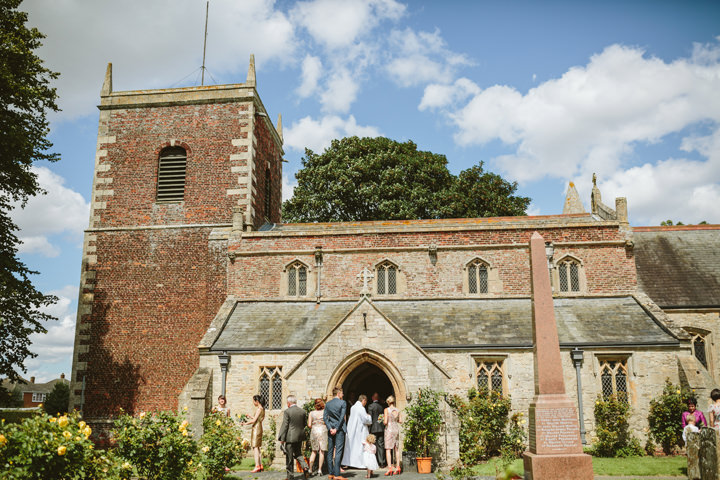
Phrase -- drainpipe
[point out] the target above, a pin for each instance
(224, 362)
(577, 358)
(318, 266)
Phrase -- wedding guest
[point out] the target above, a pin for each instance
(692, 410)
(391, 418)
(318, 434)
(357, 432)
(690, 427)
(257, 431)
(369, 452)
(377, 427)
(715, 409)
(222, 406)
(334, 417)
(291, 436)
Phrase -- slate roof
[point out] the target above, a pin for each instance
(679, 267)
(461, 323)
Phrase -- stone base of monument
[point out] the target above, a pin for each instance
(557, 467)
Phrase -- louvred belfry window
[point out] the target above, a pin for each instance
(172, 167)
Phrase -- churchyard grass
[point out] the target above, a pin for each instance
(641, 466)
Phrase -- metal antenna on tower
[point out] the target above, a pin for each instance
(202, 77)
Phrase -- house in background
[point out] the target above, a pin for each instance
(34, 394)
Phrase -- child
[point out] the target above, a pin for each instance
(369, 450)
(690, 427)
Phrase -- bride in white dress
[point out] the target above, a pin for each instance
(357, 432)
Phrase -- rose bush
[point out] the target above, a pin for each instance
(221, 446)
(664, 416)
(156, 446)
(44, 446)
(613, 430)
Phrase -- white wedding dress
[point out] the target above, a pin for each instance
(357, 432)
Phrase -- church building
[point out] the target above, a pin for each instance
(192, 286)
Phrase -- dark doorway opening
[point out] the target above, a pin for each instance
(366, 379)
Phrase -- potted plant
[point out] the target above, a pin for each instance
(422, 427)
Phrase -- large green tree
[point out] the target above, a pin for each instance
(25, 98)
(359, 179)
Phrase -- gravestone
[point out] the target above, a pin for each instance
(708, 454)
(555, 451)
(692, 449)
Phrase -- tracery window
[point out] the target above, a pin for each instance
(489, 374)
(569, 275)
(699, 346)
(614, 378)
(297, 279)
(477, 272)
(270, 386)
(386, 274)
(172, 166)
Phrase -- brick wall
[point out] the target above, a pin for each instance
(154, 295)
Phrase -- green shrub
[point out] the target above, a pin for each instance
(42, 447)
(158, 446)
(221, 446)
(664, 416)
(486, 427)
(17, 415)
(613, 430)
(268, 442)
(422, 422)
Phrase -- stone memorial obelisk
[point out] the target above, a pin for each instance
(555, 451)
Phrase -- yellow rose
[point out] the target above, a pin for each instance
(81, 424)
(39, 405)
(3, 440)
(67, 435)
(678, 392)
(77, 439)
(87, 431)
(52, 419)
(142, 414)
(63, 421)
(205, 449)
(185, 423)
(185, 409)
(126, 466)
(62, 449)
(184, 432)
(218, 423)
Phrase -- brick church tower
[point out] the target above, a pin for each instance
(172, 166)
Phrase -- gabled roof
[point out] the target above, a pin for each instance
(679, 267)
(444, 324)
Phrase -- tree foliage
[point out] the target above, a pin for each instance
(25, 98)
(358, 179)
(58, 400)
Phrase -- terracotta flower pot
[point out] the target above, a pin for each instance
(424, 464)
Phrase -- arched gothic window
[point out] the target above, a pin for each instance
(270, 386)
(477, 272)
(569, 275)
(489, 375)
(386, 275)
(613, 379)
(297, 279)
(172, 166)
(699, 346)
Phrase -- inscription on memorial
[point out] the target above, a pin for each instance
(555, 430)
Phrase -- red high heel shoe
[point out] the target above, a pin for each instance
(397, 471)
(257, 469)
(389, 472)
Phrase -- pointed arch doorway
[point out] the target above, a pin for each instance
(366, 372)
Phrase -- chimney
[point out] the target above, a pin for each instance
(32, 379)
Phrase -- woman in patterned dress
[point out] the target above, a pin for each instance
(714, 409)
(391, 419)
(257, 431)
(318, 434)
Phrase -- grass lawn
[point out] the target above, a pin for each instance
(641, 466)
(248, 463)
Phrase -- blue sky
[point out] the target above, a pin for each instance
(543, 92)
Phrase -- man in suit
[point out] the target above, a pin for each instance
(334, 417)
(377, 428)
(291, 436)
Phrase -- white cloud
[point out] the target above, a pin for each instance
(340, 92)
(317, 134)
(288, 187)
(61, 210)
(339, 23)
(421, 57)
(312, 68)
(55, 347)
(441, 96)
(153, 44)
